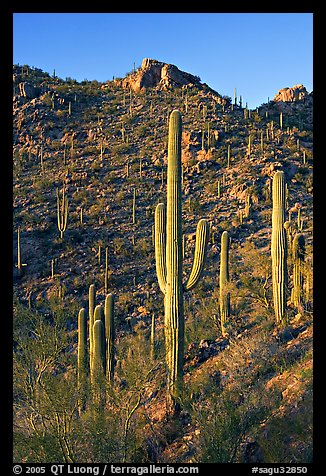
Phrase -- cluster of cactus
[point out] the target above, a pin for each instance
(98, 360)
(169, 263)
(279, 249)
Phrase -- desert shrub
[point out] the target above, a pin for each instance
(226, 419)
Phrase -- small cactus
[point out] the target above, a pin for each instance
(134, 207)
(298, 255)
(224, 280)
(19, 264)
(62, 212)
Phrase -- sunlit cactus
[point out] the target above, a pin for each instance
(62, 211)
(109, 335)
(298, 256)
(279, 249)
(169, 263)
(224, 281)
(82, 358)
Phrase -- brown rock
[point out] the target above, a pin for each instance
(296, 93)
(156, 73)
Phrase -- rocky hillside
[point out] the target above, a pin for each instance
(249, 391)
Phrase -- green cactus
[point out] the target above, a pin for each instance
(169, 263)
(109, 335)
(91, 307)
(299, 220)
(134, 207)
(62, 212)
(98, 362)
(218, 188)
(19, 264)
(82, 358)
(106, 270)
(298, 256)
(249, 145)
(41, 158)
(247, 205)
(224, 280)
(140, 168)
(279, 249)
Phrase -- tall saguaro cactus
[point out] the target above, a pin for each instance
(279, 249)
(224, 280)
(169, 263)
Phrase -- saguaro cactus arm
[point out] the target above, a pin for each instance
(160, 245)
(82, 342)
(109, 334)
(202, 236)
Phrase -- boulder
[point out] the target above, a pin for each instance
(156, 73)
(296, 93)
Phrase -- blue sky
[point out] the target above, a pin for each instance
(256, 53)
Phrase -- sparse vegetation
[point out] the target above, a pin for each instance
(247, 372)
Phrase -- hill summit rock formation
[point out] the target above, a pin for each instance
(155, 73)
(293, 94)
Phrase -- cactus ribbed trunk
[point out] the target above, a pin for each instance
(82, 358)
(279, 249)
(298, 255)
(174, 318)
(109, 335)
(98, 363)
(91, 307)
(224, 280)
(169, 263)
(62, 212)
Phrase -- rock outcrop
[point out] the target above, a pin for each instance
(155, 73)
(296, 93)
